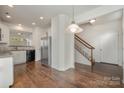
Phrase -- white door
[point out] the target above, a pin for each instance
(109, 48)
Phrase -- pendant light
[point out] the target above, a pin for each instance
(73, 27)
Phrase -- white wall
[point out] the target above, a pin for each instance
(62, 44)
(103, 35)
(69, 49)
(36, 42)
(57, 44)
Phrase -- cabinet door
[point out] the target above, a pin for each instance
(6, 72)
(19, 57)
(4, 34)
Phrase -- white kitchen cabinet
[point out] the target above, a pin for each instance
(6, 72)
(4, 33)
(19, 57)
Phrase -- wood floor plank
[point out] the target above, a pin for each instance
(36, 75)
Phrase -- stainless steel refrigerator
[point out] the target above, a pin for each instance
(46, 50)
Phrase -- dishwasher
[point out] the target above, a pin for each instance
(30, 55)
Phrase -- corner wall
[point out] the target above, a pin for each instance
(62, 44)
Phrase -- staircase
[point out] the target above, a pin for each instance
(85, 49)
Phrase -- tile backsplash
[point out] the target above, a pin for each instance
(17, 40)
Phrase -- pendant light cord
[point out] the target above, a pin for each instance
(73, 12)
(73, 21)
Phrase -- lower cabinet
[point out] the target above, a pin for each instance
(19, 57)
(6, 72)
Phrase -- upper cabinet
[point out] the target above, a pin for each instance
(4, 34)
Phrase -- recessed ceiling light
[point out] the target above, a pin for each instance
(33, 23)
(19, 33)
(92, 21)
(19, 24)
(8, 16)
(11, 6)
(41, 18)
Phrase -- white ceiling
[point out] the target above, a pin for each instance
(105, 19)
(26, 14)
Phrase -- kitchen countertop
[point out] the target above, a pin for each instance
(21, 49)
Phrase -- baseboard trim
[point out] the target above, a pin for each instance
(109, 63)
(88, 64)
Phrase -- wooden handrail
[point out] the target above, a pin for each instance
(87, 44)
(89, 47)
(83, 43)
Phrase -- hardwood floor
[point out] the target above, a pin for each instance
(35, 75)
